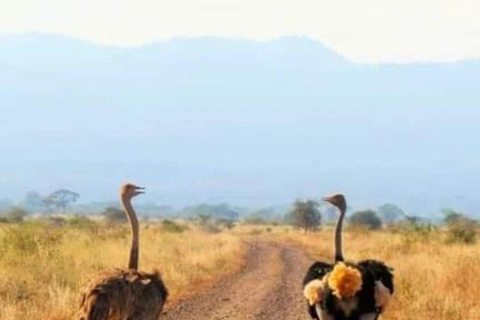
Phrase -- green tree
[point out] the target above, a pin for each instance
(33, 202)
(305, 215)
(451, 216)
(366, 218)
(204, 219)
(413, 220)
(61, 198)
(390, 213)
(114, 214)
(15, 214)
(5, 204)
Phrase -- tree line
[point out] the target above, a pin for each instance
(306, 214)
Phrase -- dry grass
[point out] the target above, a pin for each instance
(43, 266)
(434, 279)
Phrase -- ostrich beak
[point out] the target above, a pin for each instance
(327, 199)
(139, 190)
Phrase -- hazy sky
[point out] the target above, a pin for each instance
(363, 31)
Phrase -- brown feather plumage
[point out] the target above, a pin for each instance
(125, 294)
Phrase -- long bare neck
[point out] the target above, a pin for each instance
(132, 219)
(338, 236)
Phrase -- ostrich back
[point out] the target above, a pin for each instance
(123, 295)
(371, 270)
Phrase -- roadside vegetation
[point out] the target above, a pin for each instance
(45, 259)
(43, 263)
(433, 266)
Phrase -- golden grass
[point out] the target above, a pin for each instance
(434, 279)
(42, 267)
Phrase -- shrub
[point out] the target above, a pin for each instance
(305, 215)
(113, 214)
(255, 232)
(255, 219)
(81, 222)
(57, 221)
(413, 233)
(15, 214)
(226, 223)
(32, 239)
(210, 228)
(172, 226)
(367, 219)
(462, 231)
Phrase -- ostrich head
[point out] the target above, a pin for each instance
(338, 200)
(129, 190)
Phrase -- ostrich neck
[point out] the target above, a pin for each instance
(338, 236)
(132, 218)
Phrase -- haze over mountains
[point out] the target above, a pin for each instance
(251, 123)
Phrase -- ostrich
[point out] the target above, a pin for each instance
(125, 294)
(347, 290)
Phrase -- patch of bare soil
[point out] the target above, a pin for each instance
(268, 287)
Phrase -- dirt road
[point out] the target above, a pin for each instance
(269, 287)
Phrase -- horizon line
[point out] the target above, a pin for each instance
(151, 43)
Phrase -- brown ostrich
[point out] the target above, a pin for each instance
(125, 294)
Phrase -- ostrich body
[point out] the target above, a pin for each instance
(347, 290)
(125, 294)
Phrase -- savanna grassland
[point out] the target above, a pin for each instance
(435, 277)
(43, 264)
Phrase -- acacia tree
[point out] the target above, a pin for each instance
(114, 214)
(61, 198)
(367, 218)
(33, 202)
(305, 215)
(390, 213)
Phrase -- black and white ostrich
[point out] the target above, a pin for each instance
(347, 290)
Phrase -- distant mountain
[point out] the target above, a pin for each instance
(252, 123)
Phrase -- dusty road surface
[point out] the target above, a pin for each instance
(269, 287)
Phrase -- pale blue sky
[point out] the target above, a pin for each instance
(362, 31)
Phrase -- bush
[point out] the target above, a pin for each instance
(255, 232)
(32, 239)
(462, 231)
(226, 223)
(367, 219)
(254, 219)
(210, 228)
(305, 215)
(413, 233)
(172, 226)
(15, 214)
(81, 222)
(113, 214)
(56, 221)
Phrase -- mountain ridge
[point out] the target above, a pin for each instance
(239, 124)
